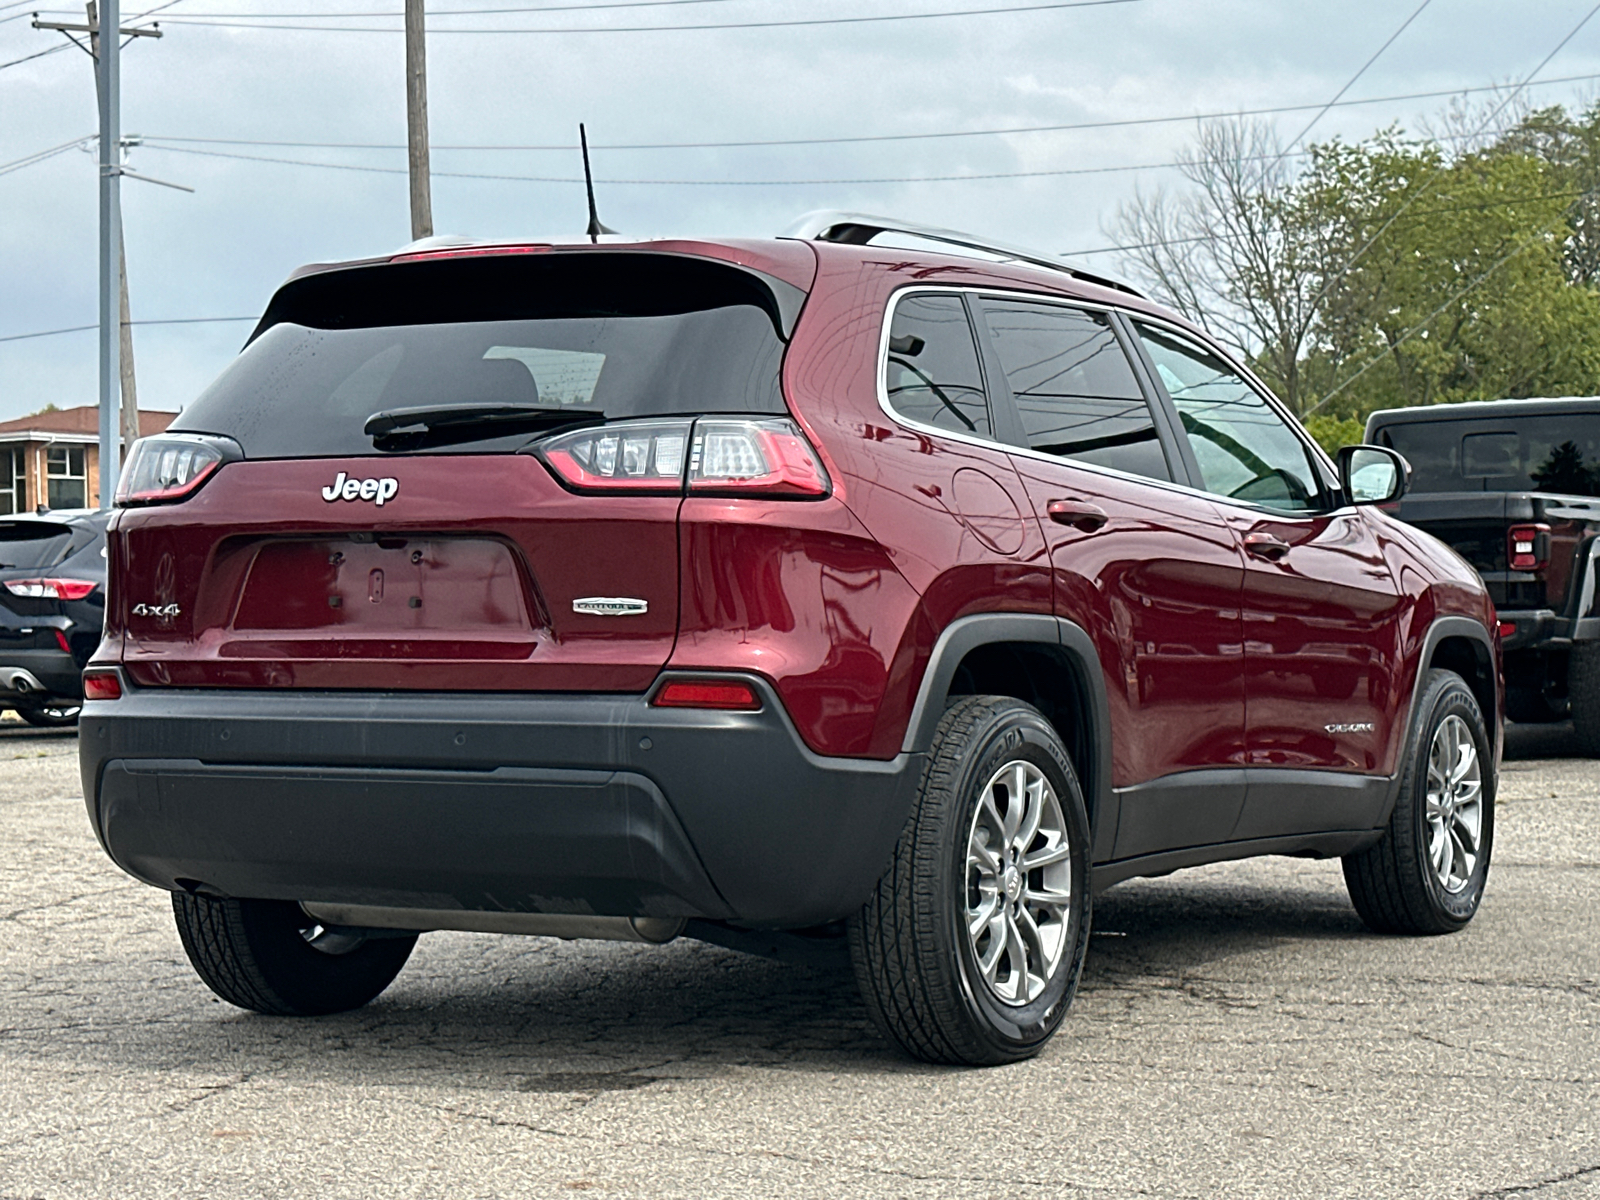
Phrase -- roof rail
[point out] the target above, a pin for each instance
(858, 229)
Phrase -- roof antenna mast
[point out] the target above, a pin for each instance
(595, 228)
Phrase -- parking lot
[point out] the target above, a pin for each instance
(1237, 1033)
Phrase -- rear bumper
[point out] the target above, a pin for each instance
(1542, 629)
(54, 671)
(550, 803)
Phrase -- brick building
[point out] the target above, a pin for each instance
(53, 458)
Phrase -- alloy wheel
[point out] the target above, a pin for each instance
(1019, 883)
(1454, 807)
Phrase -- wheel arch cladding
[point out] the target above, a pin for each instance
(1043, 661)
(1463, 647)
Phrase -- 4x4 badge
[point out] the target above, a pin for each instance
(610, 606)
(361, 489)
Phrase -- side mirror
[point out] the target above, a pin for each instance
(1373, 474)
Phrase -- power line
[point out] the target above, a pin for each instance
(1471, 286)
(19, 337)
(888, 137)
(153, 144)
(1440, 170)
(17, 164)
(433, 14)
(789, 24)
(42, 54)
(1481, 206)
(1339, 95)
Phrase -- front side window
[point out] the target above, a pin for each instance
(1246, 451)
(64, 473)
(1075, 390)
(932, 375)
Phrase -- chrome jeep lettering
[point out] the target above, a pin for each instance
(377, 490)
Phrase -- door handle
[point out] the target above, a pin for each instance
(1264, 545)
(1079, 514)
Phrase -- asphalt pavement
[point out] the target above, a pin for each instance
(1238, 1033)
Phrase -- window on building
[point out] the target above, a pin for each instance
(13, 487)
(65, 477)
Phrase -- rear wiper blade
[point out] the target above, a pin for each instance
(438, 416)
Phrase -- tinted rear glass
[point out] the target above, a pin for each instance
(32, 545)
(1553, 454)
(620, 339)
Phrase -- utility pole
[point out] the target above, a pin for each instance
(114, 333)
(417, 121)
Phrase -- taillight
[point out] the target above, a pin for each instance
(51, 589)
(632, 456)
(101, 685)
(718, 455)
(61, 640)
(170, 467)
(1508, 629)
(729, 694)
(1528, 547)
(769, 458)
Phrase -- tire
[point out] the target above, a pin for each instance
(1583, 686)
(259, 955)
(922, 976)
(55, 717)
(1426, 875)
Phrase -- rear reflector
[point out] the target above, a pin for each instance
(723, 456)
(707, 693)
(61, 640)
(101, 685)
(171, 467)
(1508, 629)
(51, 589)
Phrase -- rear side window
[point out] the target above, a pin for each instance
(1553, 454)
(33, 545)
(932, 374)
(611, 337)
(1074, 388)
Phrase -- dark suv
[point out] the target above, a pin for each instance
(720, 588)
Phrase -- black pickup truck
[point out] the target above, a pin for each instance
(1514, 487)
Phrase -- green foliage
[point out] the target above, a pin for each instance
(1333, 432)
(1395, 272)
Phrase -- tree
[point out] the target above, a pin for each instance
(1231, 255)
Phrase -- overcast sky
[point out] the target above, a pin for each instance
(221, 251)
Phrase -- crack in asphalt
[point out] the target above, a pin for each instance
(1050, 1186)
(1539, 1185)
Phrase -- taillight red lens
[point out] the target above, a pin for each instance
(768, 458)
(731, 694)
(101, 685)
(630, 456)
(718, 455)
(1528, 547)
(1508, 628)
(171, 467)
(51, 589)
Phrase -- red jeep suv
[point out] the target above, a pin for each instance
(728, 588)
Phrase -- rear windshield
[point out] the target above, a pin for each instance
(614, 341)
(32, 545)
(1554, 454)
